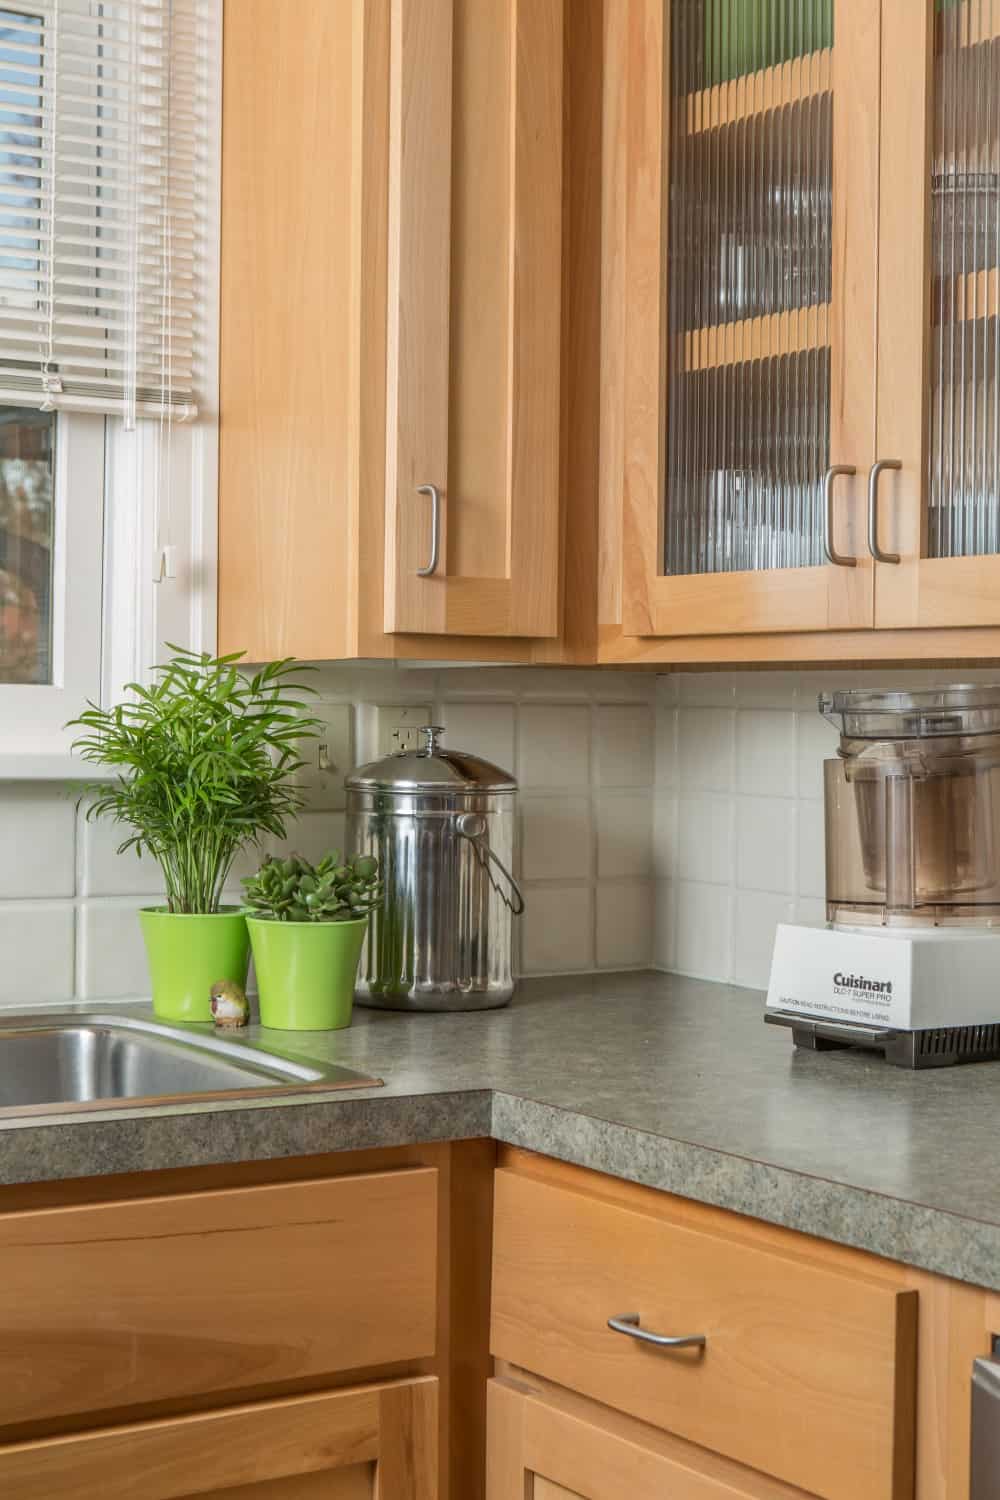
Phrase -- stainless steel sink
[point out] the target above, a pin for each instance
(89, 1061)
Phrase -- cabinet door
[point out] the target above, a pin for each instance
(472, 421)
(543, 1448)
(374, 1442)
(748, 340)
(939, 299)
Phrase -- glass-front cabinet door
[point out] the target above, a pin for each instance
(750, 247)
(937, 515)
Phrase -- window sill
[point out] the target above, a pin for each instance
(25, 765)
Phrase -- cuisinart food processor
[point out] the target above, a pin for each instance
(908, 961)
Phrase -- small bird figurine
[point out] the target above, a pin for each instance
(230, 1006)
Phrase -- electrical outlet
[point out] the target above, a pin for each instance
(398, 726)
(328, 757)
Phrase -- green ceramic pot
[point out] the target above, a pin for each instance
(188, 953)
(306, 972)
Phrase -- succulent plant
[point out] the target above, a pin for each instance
(293, 890)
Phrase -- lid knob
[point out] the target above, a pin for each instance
(433, 733)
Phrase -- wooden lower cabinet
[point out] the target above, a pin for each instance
(549, 1445)
(310, 1329)
(783, 1329)
(318, 1329)
(374, 1442)
(827, 1372)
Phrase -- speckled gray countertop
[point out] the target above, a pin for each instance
(654, 1078)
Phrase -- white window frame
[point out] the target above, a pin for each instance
(111, 620)
(32, 716)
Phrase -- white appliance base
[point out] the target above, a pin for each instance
(923, 997)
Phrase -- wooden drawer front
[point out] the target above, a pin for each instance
(808, 1374)
(355, 1444)
(538, 1444)
(115, 1305)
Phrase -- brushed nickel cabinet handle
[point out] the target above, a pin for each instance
(873, 478)
(839, 558)
(628, 1323)
(435, 494)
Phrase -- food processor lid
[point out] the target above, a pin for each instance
(431, 769)
(927, 713)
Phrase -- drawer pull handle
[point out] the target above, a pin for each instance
(628, 1324)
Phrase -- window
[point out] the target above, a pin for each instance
(27, 480)
(108, 202)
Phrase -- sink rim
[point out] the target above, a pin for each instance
(294, 1074)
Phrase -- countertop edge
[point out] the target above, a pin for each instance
(56, 1150)
(928, 1239)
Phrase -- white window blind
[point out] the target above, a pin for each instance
(103, 120)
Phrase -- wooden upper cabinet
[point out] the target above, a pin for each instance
(745, 366)
(939, 357)
(475, 234)
(391, 318)
(801, 360)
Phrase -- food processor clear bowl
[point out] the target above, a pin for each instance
(912, 803)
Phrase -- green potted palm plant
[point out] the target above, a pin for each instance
(307, 927)
(205, 760)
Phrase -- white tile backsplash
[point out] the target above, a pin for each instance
(312, 835)
(671, 820)
(583, 745)
(704, 928)
(112, 955)
(555, 746)
(624, 834)
(38, 828)
(756, 914)
(667, 770)
(105, 872)
(665, 833)
(706, 689)
(664, 924)
(765, 844)
(556, 837)
(557, 929)
(38, 945)
(705, 839)
(765, 752)
(624, 925)
(486, 728)
(705, 748)
(767, 689)
(624, 745)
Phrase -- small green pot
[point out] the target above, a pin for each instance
(188, 953)
(306, 972)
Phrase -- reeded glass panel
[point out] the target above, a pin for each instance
(749, 273)
(964, 436)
